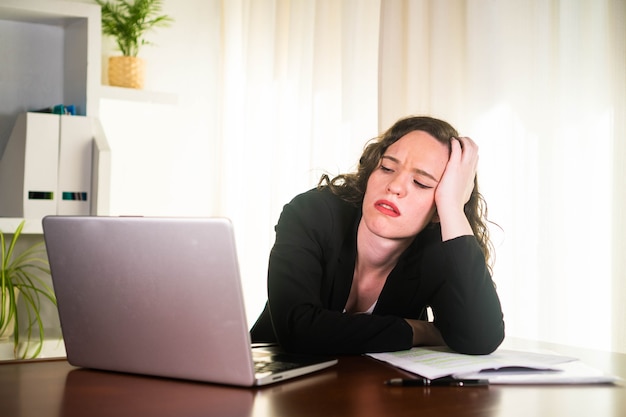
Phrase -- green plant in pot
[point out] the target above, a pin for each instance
(128, 21)
(21, 278)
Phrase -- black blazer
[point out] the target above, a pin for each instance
(310, 274)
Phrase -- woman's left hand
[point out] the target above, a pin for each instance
(455, 187)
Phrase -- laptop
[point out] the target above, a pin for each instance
(161, 297)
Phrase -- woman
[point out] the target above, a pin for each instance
(358, 260)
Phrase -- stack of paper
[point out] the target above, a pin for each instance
(500, 367)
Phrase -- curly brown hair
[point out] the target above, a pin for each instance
(351, 186)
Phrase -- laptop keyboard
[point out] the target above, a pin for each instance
(265, 366)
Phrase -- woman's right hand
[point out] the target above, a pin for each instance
(425, 333)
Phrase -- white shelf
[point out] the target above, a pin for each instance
(52, 348)
(47, 12)
(9, 224)
(131, 94)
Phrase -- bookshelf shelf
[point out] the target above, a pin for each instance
(128, 94)
(9, 224)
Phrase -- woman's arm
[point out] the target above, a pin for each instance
(467, 309)
(466, 306)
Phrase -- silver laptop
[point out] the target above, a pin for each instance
(159, 296)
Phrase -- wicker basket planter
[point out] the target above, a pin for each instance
(126, 71)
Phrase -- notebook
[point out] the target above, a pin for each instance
(161, 297)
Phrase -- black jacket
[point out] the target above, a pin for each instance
(310, 274)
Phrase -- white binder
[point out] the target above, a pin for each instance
(29, 167)
(48, 167)
(75, 155)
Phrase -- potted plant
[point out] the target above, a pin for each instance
(127, 21)
(21, 277)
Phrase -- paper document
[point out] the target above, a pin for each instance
(575, 372)
(502, 366)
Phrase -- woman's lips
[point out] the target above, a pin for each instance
(387, 207)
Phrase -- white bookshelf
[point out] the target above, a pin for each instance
(54, 48)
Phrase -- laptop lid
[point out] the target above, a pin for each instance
(155, 296)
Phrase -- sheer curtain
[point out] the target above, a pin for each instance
(540, 85)
(299, 98)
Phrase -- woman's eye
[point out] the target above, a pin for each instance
(420, 185)
(385, 169)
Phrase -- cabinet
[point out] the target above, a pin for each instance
(51, 54)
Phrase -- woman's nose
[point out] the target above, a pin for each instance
(396, 186)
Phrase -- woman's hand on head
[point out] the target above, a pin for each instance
(455, 187)
(457, 182)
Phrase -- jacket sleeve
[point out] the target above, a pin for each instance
(466, 307)
(302, 268)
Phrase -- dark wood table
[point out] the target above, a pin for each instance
(352, 388)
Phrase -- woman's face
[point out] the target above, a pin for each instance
(400, 197)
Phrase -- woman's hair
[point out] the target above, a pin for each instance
(351, 187)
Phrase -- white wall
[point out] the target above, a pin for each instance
(161, 152)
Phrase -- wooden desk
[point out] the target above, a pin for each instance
(353, 388)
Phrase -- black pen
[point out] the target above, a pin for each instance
(439, 382)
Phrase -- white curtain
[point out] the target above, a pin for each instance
(539, 84)
(299, 97)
